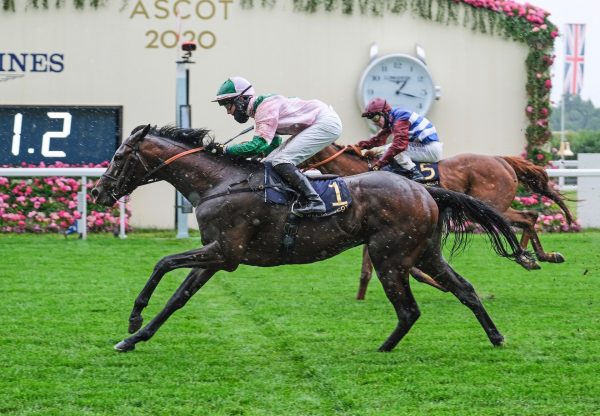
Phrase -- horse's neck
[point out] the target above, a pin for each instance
(197, 174)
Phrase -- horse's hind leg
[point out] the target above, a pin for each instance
(394, 279)
(436, 266)
(366, 274)
(527, 220)
(192, 283)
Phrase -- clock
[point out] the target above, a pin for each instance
(50, 134)
(402, 80)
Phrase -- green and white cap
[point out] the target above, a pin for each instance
(233, 87)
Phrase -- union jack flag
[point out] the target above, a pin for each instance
(574, 58)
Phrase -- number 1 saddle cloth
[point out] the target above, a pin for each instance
(331, 188)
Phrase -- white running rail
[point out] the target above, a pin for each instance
(82, 173)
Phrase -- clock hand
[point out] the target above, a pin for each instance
(407, 94)
(401, 86)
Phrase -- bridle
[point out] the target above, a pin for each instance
(136, 155)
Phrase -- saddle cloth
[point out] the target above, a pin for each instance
(429, 171)
(332, 190)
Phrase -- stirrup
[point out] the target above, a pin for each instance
(308, 210)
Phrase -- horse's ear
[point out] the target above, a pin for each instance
(140, 134)
(145, 131)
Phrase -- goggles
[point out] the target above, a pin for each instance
(375, 117)
(227, 104)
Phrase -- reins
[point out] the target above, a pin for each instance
(170, 160)
(229, 191)
(335, 156)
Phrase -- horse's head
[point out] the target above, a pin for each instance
(126, 171)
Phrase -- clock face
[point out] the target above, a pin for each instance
(402, 80)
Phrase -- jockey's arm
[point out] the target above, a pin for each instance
(375, 141)
(399, 143)
(258, 146)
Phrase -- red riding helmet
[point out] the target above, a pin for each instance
(376, 105)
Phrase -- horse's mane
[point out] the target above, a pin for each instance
(193, 138)
(190, 137)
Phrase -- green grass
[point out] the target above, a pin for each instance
(292, 340)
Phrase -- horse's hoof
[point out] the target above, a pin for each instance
(135, 324)
(529, 264)
(124, 346)
(555, 258)
(497, 340)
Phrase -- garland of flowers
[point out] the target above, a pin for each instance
(520, 22)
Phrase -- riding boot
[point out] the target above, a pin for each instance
(300, 183)
(416, 175)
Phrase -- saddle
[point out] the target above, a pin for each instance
(331, 188)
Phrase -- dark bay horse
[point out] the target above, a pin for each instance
(492, 179)
(401, 222)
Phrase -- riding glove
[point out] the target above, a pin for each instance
(215, 148)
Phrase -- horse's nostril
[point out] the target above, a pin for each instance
(95, 193)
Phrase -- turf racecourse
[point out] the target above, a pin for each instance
(292, 340)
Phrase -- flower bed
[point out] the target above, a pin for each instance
(49, 204)
(550, 219)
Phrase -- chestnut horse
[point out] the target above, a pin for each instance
(492, 179)
(400, 221)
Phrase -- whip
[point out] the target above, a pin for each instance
(239, 134)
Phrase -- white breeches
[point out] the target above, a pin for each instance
(326, 129)
(417, 152)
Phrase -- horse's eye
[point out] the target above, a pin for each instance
(118, 158)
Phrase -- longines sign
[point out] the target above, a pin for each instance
(16, 65)
(200, 11)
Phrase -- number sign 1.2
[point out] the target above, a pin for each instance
(50, 134)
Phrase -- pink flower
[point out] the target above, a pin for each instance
(548, 84)
(539, 156)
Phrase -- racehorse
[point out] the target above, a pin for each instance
(492, 179)
(401, 222)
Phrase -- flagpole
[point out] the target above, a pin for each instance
(561, 180)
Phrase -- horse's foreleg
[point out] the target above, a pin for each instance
(527, 220)
(209, 255)
(551, 257)
(366, 272)
(193, 282)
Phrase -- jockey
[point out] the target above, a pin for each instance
(312, 124)
(414, 138)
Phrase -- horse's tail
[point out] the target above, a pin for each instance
(456, 209)
(535, 178)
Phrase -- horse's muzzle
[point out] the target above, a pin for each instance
(102, 197)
